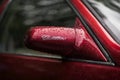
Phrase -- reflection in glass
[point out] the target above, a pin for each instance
(23, 14)
(109, 11)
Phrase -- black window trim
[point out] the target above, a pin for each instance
(100, 20)
(93, 35)
(109, 62)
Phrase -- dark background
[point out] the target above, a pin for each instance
(23, 14)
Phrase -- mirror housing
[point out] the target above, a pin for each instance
(57, 40)
(67, 42)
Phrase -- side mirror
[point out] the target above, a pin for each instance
(67, 42)
(51, 39)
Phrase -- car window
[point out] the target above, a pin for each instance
(23, 14)
(1, 2)
(109, 15)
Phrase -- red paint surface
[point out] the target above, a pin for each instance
(69, 42)
(108, 42)
(51, 39)
(14, 67)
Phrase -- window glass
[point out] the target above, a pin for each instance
(109, 12)
(23, 14)
(1, 2)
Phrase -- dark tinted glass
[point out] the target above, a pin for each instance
(1, 2)
(23, 14)
(109, 12)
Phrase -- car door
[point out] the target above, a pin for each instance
(88, 59)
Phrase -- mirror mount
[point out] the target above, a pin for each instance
(67, 42)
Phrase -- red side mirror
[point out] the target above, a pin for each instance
(51, 39)
(68, 42)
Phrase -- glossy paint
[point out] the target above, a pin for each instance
(51, 39)
(16, 67)
(111, 45)
(67, 42)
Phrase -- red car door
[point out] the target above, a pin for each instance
(87, 52)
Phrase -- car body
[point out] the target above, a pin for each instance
(100, 62)
(4, 4)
